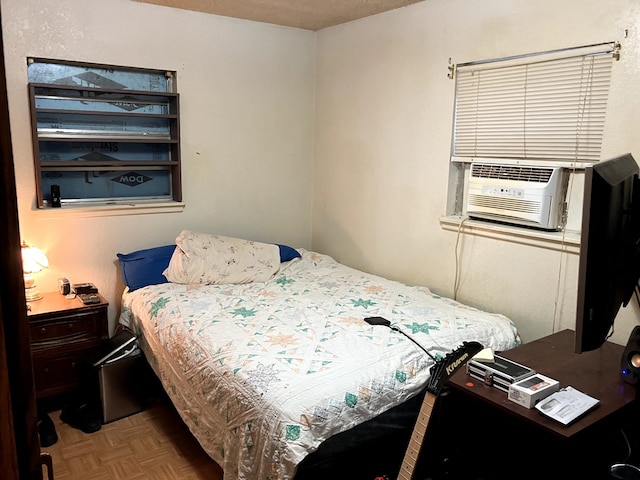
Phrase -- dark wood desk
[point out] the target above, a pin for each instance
(513, 435)
(595, 373)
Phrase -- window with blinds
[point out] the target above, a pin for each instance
(545, 106)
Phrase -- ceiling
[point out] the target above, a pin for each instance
(306, 14)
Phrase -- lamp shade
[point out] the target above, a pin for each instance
(33, 259)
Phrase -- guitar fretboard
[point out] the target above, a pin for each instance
(415, 443)
(440, 372)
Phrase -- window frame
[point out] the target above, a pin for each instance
(455, 219)
(142, 124)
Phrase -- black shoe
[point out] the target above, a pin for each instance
(82, 416)
(46, 430)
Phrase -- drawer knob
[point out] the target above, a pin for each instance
(69, 326)
(43, 330)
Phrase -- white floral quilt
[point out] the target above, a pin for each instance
(262, 373)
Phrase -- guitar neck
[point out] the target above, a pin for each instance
(415, 443)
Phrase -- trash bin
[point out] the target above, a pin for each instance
(118, 363)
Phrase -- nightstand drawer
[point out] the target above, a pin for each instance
(64, 332)
(54, 374)
(79, 328)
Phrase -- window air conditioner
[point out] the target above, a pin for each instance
(529, 196)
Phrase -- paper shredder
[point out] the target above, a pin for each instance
(119, 363)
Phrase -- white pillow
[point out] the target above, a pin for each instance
(215, 259)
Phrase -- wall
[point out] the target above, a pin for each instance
(383, 135)
(247, 112)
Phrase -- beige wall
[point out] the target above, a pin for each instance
(247, 110)
(383, 134)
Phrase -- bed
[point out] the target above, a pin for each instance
(264, 352)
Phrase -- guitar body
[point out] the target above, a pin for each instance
(441, 371)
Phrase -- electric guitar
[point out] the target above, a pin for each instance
(440, 371)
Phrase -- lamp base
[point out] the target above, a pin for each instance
(32, 294)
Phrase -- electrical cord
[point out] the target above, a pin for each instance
(456, 281)
(563, 246)
(628, 443)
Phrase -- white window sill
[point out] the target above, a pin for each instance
(566, 241)
(110, 209)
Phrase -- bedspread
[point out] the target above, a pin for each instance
(262, 373)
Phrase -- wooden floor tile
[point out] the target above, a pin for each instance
(151, 445)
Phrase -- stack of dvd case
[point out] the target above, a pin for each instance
(499, 373)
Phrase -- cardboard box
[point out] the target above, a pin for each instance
(531, 390)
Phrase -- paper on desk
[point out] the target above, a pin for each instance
(484, 355)
(566, 405)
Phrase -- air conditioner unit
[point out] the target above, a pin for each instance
(530, 196)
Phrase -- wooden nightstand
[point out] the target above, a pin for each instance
(63, 333)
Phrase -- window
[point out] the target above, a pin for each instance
(103, 134)
(548, 106)
(541, 110)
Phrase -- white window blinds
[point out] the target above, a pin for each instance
(548, 106)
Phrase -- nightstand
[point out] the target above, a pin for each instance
(64, 332)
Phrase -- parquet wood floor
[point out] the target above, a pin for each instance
(151, 445)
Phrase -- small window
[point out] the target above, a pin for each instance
(104, 134)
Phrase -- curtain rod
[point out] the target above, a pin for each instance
(613, 47)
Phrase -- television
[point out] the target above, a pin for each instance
(609, 265)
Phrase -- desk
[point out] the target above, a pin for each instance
(523, 433)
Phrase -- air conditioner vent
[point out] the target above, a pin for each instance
(505, 204)
(530, 196)
(511, 172)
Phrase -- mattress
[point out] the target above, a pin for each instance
(263, 373)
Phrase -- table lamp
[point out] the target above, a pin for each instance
(33, 261)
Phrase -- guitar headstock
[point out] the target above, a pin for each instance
(444, 368)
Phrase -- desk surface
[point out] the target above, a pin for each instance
(596, 373)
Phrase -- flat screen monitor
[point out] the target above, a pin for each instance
(609, 267)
